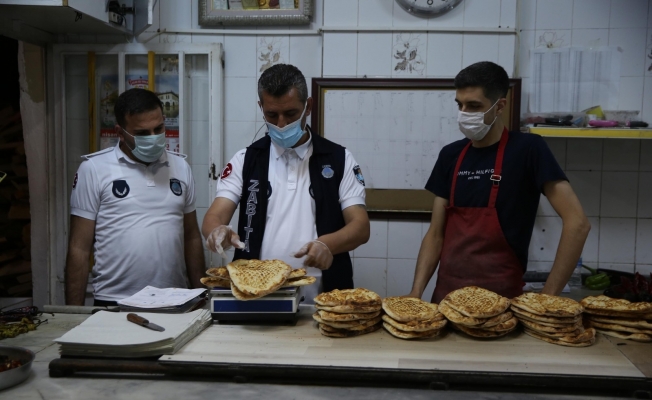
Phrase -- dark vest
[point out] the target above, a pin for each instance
(325, 192)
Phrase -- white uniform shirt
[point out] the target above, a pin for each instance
(291, 210)
(138, 212)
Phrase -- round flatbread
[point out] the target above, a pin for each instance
(634, 323)
(572, 337)
(605, 303)
(508, 325)
(343, 333)
(497, 320)
(551, 329)
(297, 273)
(619, 328)
(481, 333)
(638, 337)
(340, 317)
(416, 326)
(454, 316)
(258, 277)
(477, 302)
(559, 342)
(619, 314)
(543, 320)
(351, 297)
(409, 335)
(241, 295)
(218, 272)
(300, 281)
(543, 304)
(406, 309)
(213, 282)
(349, 309)
(351, 325)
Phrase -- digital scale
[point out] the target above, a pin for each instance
(281, 307)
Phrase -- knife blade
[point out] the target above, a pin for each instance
(138, 320)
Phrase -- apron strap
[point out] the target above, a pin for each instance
(495, 177)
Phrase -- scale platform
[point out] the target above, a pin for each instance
(279, 307)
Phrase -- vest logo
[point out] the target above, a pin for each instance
(358, 174)
(327, 172)
(74, 182)
(120, 189)
(250, 211)
(175, 187)
(226, 171)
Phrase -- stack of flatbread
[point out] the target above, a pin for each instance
(412, 318)
(619, 317)
(348, 312)
(553, 319)
(478, 312)
(253, 279)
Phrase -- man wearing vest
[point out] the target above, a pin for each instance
(301, 196)
(487, 189)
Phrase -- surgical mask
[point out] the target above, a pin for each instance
(289, 135)
(472, 123)
(149, 147)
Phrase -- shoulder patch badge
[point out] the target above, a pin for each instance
(175, 187)
(358, 174)
(74, 182)
(327, 172)
(226, 171)
(120, 189)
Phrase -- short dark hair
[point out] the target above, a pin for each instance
(278, 79)
(135, 101)
(491, 77)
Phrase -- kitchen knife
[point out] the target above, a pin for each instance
(138, 320)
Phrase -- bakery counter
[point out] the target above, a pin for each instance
(375, 365)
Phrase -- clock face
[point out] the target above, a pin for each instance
(428, 8)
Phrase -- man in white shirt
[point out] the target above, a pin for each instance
(137, 203)
(300, 196)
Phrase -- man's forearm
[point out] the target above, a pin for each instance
(350, 237)
(427, 262)
(76, 278)
(194, 257)
(571, 243)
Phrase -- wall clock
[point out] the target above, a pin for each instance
(428, 8)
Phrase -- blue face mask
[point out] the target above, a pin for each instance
(149, 147)
(289, 135)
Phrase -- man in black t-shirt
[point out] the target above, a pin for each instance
(487, 189)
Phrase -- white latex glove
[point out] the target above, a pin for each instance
(317, 255)
(222, 238)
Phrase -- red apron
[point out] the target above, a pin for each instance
(475, 251)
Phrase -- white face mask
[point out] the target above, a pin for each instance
(472, 123)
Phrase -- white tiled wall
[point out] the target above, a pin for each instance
(613, 178)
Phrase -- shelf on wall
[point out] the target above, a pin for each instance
(600, 133)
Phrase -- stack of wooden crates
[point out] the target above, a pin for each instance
(15, 264)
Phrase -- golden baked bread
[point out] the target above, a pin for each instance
(634, 323)
(536, 335)
(570, 337)
(297, 273)
(406, 309)
(607, 304)
(498, 319)
(340, 317)
(343, 333)
(348, 297)
(213, 282)
(218, 272)
(299, 281)
(352, 325)
(258, 278)
(638, 337)
(552, 329)
(508, 325)
(409, 335)
(416, 326)
(477, 302)
(619, 328)
(481, 333)
(543, 304)
(553, 321)
(240, 295)
(454, 316)
(347, 309)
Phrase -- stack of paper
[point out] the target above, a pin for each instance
(169, 300)
(109, 334)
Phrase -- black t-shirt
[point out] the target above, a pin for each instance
(528, 164)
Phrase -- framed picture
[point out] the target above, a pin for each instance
(395, 129)
(215, 13)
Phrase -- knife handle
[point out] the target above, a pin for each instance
(137, 319)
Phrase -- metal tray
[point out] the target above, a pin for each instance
(16, 375)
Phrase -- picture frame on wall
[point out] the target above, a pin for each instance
(219, 13)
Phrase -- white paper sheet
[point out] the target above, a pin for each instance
(151, 297)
